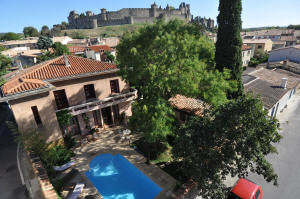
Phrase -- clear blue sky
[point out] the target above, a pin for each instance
(15, 14)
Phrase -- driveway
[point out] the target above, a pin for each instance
(10, 181)
(287, 162)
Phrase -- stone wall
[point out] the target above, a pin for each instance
(43, 179)
(127, 16)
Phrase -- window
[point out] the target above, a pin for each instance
(36, 116)
(259, 46)
(114, 86)
(89, 91)
(97, 118)
(61, 99)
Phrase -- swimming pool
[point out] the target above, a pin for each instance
(116, 178)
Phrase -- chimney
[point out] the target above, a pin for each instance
(284, 82)
(67, 61)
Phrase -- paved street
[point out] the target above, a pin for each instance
(287, 162)
(10, 181)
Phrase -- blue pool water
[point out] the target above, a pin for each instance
(116, 178)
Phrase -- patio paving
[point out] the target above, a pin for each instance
(110, 142)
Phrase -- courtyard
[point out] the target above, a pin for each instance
(110, 141)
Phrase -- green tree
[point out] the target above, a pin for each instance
(60, 49)
(229, 41)
(259, 57)
(2, 48)
(11, 36)
(64, 25)
(109, 56)
(5, 63)
(44, 42)
(165, 59)
(30, 32)
(45, 31)
(231, 140)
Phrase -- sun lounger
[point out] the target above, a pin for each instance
(63, 167)
(77, 191)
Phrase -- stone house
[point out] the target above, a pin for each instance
(92, 92)
(186, 107)
(291, 53)
(275, 88)
(247, 54)
(259, 44)
(97, 52)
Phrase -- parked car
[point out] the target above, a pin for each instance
(245, 189)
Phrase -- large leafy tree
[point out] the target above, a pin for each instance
(229, 42)
(231, 140)
(30, 32)
(44, 42)
(45, 31)
(60, 49)
(165, 59)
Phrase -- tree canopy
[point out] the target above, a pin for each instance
(165, 59)
(60, 49)
(30, 31)
(45, 31)
(229, 41)
(5, 63)
(44, 42)
(2, 48)
(109, 57)
(230, 140)
(11, 36)
(259, 57)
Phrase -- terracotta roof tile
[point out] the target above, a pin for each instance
(245, 47)
(34, 77)
(76, 49)
(190, 105)
(100, 47)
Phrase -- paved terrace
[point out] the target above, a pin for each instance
(110, 142)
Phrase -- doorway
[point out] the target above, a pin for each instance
(106, 114)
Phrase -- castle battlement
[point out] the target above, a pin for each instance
(127, 16)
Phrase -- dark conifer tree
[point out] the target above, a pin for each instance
(229, 41)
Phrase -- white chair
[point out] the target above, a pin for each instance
(77, 191)
(63, 167)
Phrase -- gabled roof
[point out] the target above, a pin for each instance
(190, 105)
(40, 75)
(100, 47)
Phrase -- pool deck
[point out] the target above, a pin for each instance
(110, 142)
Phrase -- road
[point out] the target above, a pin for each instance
(287, 162)
(10, 181)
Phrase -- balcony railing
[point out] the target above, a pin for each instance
(98, 104)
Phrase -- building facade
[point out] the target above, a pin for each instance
(127, 16)
(91, 91)
(247, 54)
(289, 53)
(259, 44)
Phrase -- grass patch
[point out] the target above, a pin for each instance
(106, 31)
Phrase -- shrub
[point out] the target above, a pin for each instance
(57, 155)
(69, 141)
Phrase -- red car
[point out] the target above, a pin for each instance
(245, 189)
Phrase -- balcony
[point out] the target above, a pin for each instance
(96, 104)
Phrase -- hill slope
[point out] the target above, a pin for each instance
(109, 31)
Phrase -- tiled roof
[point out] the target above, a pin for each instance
(267, 85)
(245, 47)
(76, 49)
(190, 105)
(288, 38)
(55, 69)
(268, 93)
(275, 77)
(256, 41)
(100, 47)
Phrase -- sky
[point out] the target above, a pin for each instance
(16, 14)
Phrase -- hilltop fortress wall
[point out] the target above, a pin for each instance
(127, 16)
